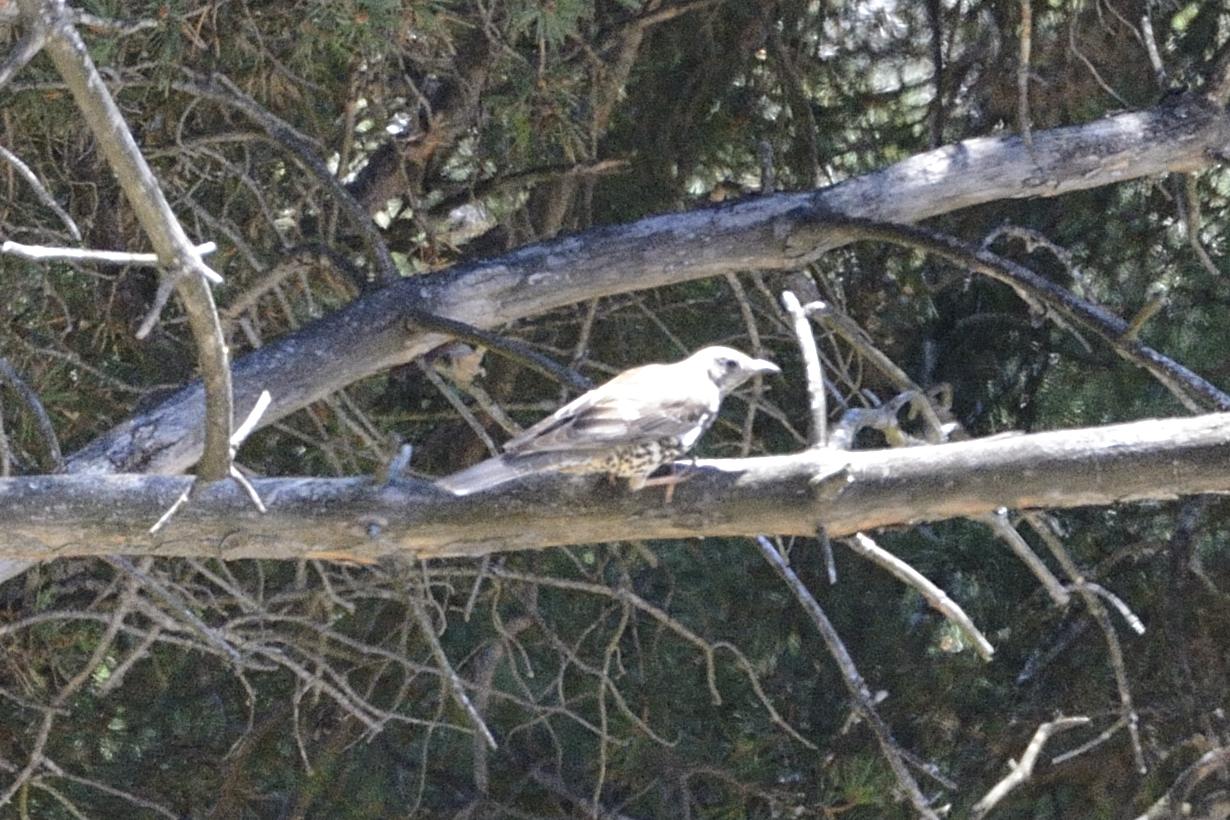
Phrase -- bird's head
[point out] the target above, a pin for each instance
(729, 368)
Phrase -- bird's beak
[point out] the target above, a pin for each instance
(765, 367)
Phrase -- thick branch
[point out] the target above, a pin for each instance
(772, 232)
(57, 516)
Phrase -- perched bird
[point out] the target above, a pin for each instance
(627, 428)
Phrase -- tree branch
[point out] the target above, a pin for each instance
(179, 257)
(773, 232)
(362, 518)
(1191, 390)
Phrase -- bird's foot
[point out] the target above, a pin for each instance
(671, 479)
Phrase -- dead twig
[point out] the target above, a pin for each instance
(818, 437)
(936, 597)
(837, 322)
(1174, 802)
(452, 681)
(25, 51)
(43, 253)
(1192, 391)
(44, 196)
(859, 693)
(152, 584)
(1003, 529)
(1114, 649)
(42, 422)
(1021, 771)
(1024, 48)
(180, 260)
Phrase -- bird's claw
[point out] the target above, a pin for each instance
(670, 480)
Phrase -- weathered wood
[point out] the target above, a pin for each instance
(59, 516)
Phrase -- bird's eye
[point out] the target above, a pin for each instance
(729, 364)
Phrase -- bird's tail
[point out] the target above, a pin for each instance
(495, 471)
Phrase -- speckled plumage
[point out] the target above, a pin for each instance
(626, 428)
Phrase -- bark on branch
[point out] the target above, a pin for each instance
(360, 518)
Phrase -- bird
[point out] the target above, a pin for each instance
(626, 428)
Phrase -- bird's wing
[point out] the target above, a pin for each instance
(618, 412)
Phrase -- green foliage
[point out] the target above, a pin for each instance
(551, 23)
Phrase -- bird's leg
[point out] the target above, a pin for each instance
(671, 479)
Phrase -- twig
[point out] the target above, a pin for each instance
(1155, 57)
(492, 408)
(113, 26)
(220, 89)
(253, 496)
(1189, 211)
(451, 679)
(1114, 650)
(589, 806)
(768, 174)
(935, 596)
(1156, 296)
(290, 262)
(1171, 804)
(85, 367)
(164, 592)
(753, 335)
(1002, 527)
(1024, 47)
(43, 253)
(452, 398)
(481, 577)
(816, 401)
(115, 623)
(709, 650)
(1133, 622)
(176, 253)
(484, 189)
(249, 424)
(1104, 736)
(237, 438)
(1036, 239)
(44, 196)
(518, 352)
(108, 789)
(660, 14)
(337, 600)
(396, 466)
(166, 286)
(66, 804)
(882, 418)
(845, 327)
(1194, 392)
(861, 696)
(1093, 71)
(42, 421)
(174, 508)
(6, 449)
(1218, 76)
(1022, 771)
(605, 685)
(139, 652)
(25, 50)
(826, 547)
